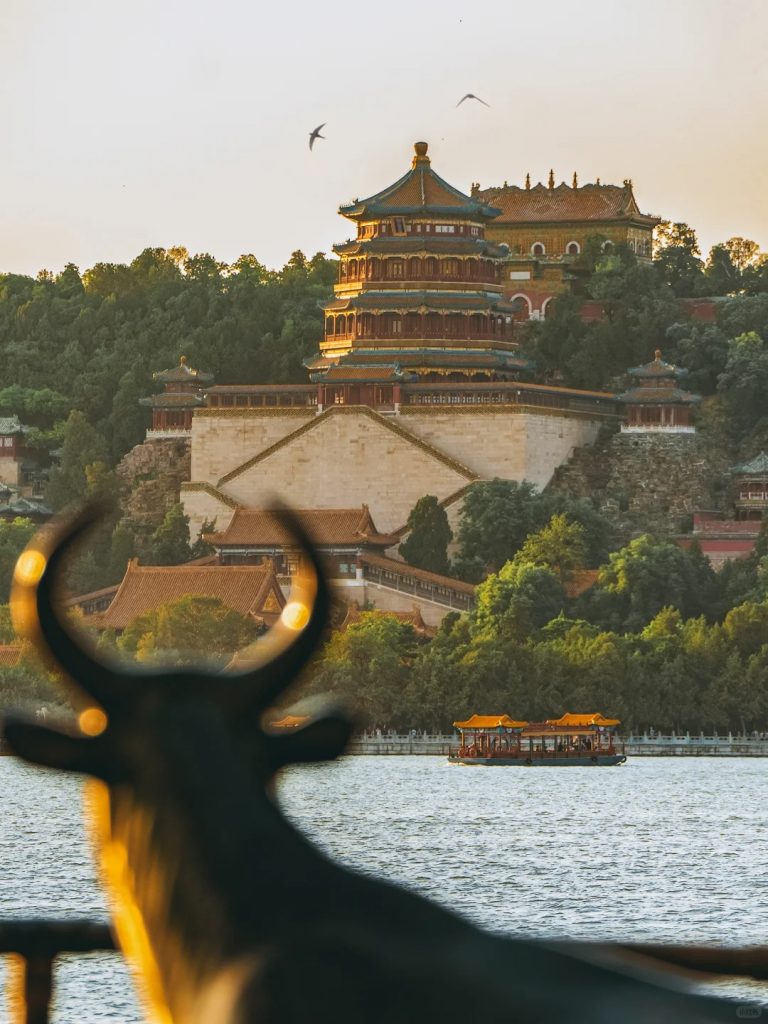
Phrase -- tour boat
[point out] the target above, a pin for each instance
(577, 740)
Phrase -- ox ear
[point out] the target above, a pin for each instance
(37, 572)
(323, 739)
(54, 749)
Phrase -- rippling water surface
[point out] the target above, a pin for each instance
(660, 848)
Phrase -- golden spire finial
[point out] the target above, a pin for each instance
(528, 180)
(575, 180)
(551, 182)
(420, 156)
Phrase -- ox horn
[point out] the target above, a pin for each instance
(37, 571)
(279, 657)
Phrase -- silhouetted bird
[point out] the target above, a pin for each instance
(316, 134)
(469, 96)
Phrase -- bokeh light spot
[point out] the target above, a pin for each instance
(30, 566)
(295, 615)
(92, 721)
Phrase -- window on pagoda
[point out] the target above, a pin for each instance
(537, 249)
(395, 269)
(573, 249)
(414, 267)
(445, 229)
(398, 226)
(393, 325)
(339, 324)
(352, 268)
(450, 268)
(329, 325)
(375, 268)
(431, 266)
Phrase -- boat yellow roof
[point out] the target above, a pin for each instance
(489, 722)
(289, 722)
(579, 721)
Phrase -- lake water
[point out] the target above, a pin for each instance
(668, 849)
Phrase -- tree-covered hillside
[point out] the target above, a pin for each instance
(91, 341)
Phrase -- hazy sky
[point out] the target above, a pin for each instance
(129, 123)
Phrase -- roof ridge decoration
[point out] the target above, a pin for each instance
(345, 410)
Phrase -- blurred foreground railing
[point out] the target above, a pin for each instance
(32, 947)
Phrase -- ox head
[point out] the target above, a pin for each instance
(123, 712)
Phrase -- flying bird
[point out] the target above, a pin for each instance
(469, 96)
(316, 134)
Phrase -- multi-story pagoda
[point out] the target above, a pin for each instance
(419, 295)
(656, 402)
(183, 392)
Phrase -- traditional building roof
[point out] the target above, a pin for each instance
(565, 204)
(249, 589)
(173, 400)
(411, 618)
(182, 373)
(12, 425)
(386, 245)
(490, 722)
(26, 508)
(344, 373)
(448, 301)
(755, 467)
(10, 655)
(579, 721)
(657, 369)
(420, 192)
(658, 385)
(326, 527)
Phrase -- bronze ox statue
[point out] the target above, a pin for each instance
(230, 915)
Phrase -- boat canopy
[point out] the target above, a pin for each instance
(580, 721)
(289, 722)
(490, 722)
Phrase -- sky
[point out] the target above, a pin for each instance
(130, 123)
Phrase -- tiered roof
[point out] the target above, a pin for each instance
(183, 373)
(419, 192)
(755, 467)
(658, 384)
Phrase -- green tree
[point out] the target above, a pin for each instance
(677, 258)
(559, 545)
(517, 600)
(429, 535)
(188, 631)
(369, 665)
(82, 447)
(496, 517)
(14, 537)
(169, 544)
